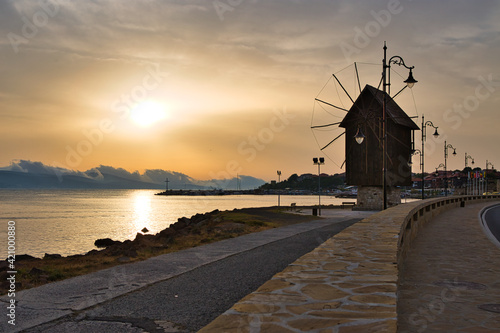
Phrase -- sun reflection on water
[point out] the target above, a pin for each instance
(142, 211)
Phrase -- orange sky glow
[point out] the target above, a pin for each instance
(217, 88)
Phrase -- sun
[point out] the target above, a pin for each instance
(147, 113)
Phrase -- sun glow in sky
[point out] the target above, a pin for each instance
(211, 90)
(147, 113)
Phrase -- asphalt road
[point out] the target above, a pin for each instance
(192, 300)
(491, 220)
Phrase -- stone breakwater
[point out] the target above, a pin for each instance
(347, 284)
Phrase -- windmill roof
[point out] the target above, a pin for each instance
(394, 111)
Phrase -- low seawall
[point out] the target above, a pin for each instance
(349, 282)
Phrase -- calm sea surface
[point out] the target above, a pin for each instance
(69, 221)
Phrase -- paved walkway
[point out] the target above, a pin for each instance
(346, 285)
(71, 297)
(351, 282)
(451, 277)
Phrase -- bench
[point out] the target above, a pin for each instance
(348, 204)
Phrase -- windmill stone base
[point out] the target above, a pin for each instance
(372, 197)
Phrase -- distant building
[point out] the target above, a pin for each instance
(416, 182)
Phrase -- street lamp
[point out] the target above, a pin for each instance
(418, 152)
(441, 165)
(446, 146)
(467, 157)
(486, 171)
(319, 161)
(279, 180)
(424, 137)
(410, 81)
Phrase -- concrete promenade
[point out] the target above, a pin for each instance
(451, 277)
(347, 284)
(74, 305)
(351, 282)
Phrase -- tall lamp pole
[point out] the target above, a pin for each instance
(467, 157)
(486, 171)
(441, 165)
(319, 161)
(419, 152)
(424, 137)
(279, 180)
(446, 146)
(410, 81)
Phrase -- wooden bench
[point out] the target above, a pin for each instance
(348, 204)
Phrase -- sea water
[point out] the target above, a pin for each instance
(68, 222)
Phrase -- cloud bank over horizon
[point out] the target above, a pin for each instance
(152, 177)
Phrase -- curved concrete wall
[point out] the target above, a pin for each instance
(348, 283)
(419, 213)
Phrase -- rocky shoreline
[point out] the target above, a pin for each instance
(186, 232)
(161, 240)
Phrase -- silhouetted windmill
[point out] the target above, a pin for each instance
(355, 123)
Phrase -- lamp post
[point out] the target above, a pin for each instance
(424, 137)
(441, 165)
(279, 180)
(419, 152)
(446, 146)
(319, 161)
(467, 157)
(486, 171)
(410, 81)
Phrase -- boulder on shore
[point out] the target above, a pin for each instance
(166, 233)
(52, 256)
(25, 257)
(105, 242)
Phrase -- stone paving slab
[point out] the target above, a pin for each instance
(451, 271)
(59, 299)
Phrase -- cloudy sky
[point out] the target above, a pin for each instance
(216, 88)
